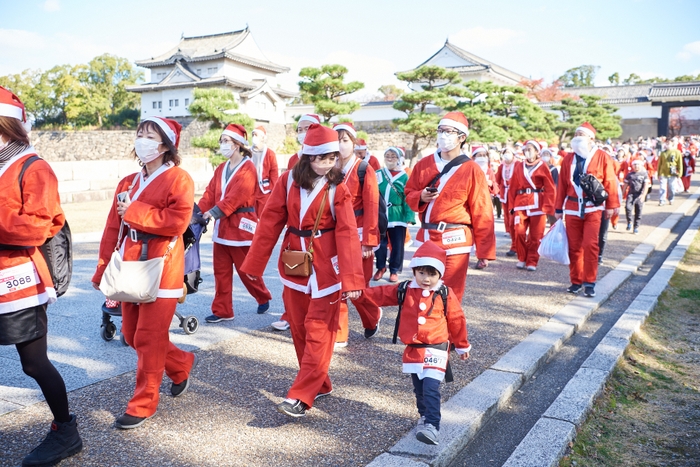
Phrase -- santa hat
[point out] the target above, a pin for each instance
(399, 153)
(456, 120)
(261, 128)
(347, 126)
(170, 127)
(546, 151)
(479, 149)
(11, 106)
(320, 140)
(313, 118)
(588, 129)
(429, 254)
(237, 132)
(543, 144)
(361, 145)
(535, 144)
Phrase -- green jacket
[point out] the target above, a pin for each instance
(667, 160)
(398, 212)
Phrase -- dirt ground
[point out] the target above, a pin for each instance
(650, 412)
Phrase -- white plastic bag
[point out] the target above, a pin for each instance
(678, 185)
(555, 245)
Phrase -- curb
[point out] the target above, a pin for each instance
(468, 410)
(547, 441)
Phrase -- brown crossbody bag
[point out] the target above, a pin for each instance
(299, 263)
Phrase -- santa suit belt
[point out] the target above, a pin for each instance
(528, 191)
(307, 233)
(240, 210)
(143, 237)
(14, 247)
(359, 212)
(444, 346)
(441, 226)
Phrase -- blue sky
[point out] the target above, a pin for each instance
(373, 38)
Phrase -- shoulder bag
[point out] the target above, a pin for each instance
(299, 263)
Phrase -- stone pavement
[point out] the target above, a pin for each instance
(370, 410)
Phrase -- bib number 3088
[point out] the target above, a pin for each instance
(18, 277)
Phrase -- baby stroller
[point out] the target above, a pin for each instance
(192, 279)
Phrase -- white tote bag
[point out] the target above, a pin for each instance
(555, 244)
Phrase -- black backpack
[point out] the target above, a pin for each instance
(594, 190)
(57, 250)
(383, 221)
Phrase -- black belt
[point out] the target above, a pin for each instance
(442, 226)
(240, 210)
(574, 198)
(307, 233)
(14, 247)
(143, 237)
(359, 212)
(528, 191)
(449, 377)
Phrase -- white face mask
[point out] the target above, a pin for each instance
(483, 163)
(226, 150)
(300, 137)
(580, 146)
(347, 148)
(447, 142)
(257, 141)
(508, 157)
(546, 159)
(391, 165)
(146, 149)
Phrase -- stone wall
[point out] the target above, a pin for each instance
(83, 145)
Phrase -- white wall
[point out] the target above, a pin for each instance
(181, 110)
(638, 110)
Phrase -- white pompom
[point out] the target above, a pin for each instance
(27, 126)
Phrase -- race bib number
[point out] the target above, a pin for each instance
(435, 358)
(334, 262)
(516, 220)
(247, 225)
(454, 236)
(380, 178)
(18, 277)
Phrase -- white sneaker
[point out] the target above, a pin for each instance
(340, 345)
(428, 435)
(532, 268)
(520, 265)
(420, 424)
(280, 325)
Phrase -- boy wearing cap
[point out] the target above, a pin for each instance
(427, 329)
(637, 183)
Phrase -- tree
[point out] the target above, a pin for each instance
(536, 89)
(614, 79)
(439, 87)
(324, 87)
(579, 77)
(633, 78)
(391, 92)
(587, 109)
(215, 105)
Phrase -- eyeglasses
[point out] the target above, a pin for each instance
(391, 158)
(443, 131)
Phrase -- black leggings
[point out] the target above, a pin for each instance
(36, 364)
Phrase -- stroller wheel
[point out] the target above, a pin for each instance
(122, 340)
(190, 324)
(108, 331)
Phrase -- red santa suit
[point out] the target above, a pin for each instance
(293, 161)
(531, 196)
(160, 211)
(688, 169)
(28, 218)
(267, 175)
(233, 233)
(582, 228)
(503, 177)
(365, 202)
(312, 303)
(463, 205)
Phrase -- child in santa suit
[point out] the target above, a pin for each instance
(455, 208)
(365, 200)
(427, 329)
(312, 190)
(148, 224)
(265, 162)
(503, 177)
(531, 197)
(230, 199)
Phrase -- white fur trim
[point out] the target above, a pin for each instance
(455, 124)
(236, 137)
(163, 126)
(9, 110)
(333, 146)
(347, 128)
(359, 147)
(307, 118)
(428, 261)
(587, 131)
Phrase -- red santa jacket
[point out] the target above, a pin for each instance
(688, 165)
(160, 205)
(337, 262)
(365, 201)
(238, 193)
(600, 166)
(293, 161)
(503, 176)
(532, 191)
(463, 199)
(373, 162)
(27, 219)
(268, 173)
(424, 321)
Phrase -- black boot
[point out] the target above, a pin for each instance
(62, 441)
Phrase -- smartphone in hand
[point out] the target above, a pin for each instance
(123, 197)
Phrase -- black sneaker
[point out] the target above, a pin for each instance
(263, 308)
(128, 422)
(369, 333)
(589, 291)
(292, 407)
(574, 288)
(323, 394)
(180, 389)
(62, 441)
(216, 319)
(511, 253)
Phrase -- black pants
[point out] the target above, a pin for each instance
(397, 236)
(603, 235)
(427, 392)
(635, 202)
(497, 204)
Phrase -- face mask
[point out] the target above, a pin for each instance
(347, 148)
(226, 150)
(508, 157)
(546, 159)
(530, 155)
(300, 137)
(391, 165)
(146, 149)
(483, 163)
(446, 142)
(257, 141)
(580, 146)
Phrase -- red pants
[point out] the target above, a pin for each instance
(145, 328)
(225, 257)
(529, 231)
(260, 202)
(508, 223)
(583, 247)
(456, 274)
(686, 182)
(313, 322)
(368, 311)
